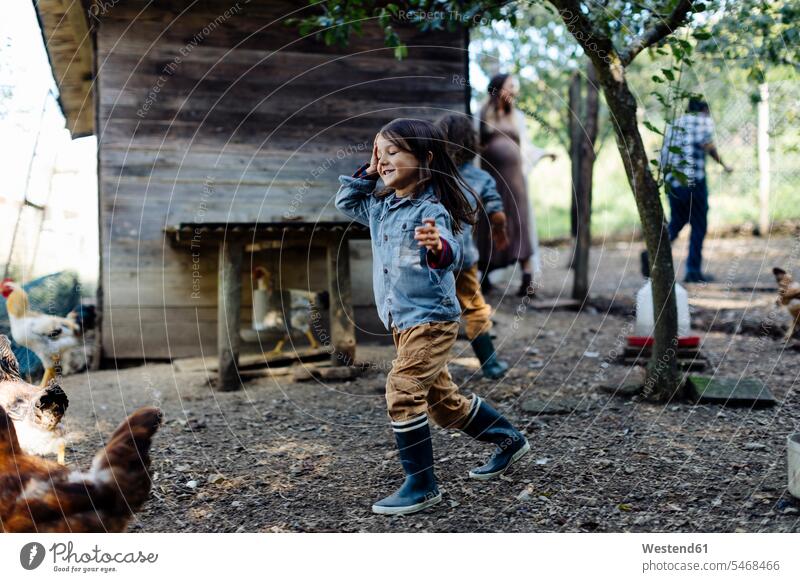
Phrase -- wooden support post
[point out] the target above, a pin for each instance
(343, 327)
(229, 302)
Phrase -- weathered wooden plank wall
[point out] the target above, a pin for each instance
(216, 113)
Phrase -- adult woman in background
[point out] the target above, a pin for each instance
(508, 156)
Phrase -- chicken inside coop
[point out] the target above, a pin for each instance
(272, 305)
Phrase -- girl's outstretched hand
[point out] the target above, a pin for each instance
(428, 236)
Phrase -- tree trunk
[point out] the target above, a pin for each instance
(583, 187)
(663, 379)
(763, 160)
(575, 105)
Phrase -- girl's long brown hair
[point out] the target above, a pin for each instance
(462, 143)
(420, 137)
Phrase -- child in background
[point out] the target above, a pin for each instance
(461, 145)
(413, 225)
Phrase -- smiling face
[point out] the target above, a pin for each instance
(398, 168)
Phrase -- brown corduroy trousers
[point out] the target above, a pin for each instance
(475, 311)
(419, 381)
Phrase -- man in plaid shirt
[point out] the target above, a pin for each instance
(683, 158)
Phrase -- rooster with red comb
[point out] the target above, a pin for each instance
(47, 336)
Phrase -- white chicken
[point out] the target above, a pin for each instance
(37, 412)
(45, 335)
(300, 318)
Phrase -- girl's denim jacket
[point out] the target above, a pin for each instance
(409, 291)
(483, 183)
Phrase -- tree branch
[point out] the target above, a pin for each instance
(552, 130)
(656, 31)
(593, 40)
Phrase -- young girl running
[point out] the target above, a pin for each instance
(462, 145)
(413, 224)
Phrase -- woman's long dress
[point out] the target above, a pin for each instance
(503, 158)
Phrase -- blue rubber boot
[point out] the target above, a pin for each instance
(419, 490)
(485, 424)
(491, 367)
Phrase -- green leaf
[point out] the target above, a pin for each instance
(657, 79)
(681, 177)
(652, 127)
(400, 52)
(701, 35)
(668, 74)
(384, 18)
(661, 98)
(756, 74)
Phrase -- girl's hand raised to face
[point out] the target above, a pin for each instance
(428, 236)
(373, 161)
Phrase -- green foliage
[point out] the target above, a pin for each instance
(336, 23)
(333, 21)
(754, 35)
(670, 95)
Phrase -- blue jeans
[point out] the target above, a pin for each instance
(689, 204)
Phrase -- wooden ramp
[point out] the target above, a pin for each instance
(749, 392)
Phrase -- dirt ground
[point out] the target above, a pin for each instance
(312, 456)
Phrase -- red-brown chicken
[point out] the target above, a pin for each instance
(37, 495)
(789, 297)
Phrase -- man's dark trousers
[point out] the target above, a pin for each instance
(689, 204)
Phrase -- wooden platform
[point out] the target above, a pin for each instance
(249, 362)
(688, 358)
(555, 304)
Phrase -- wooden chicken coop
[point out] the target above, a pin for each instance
(221, 134)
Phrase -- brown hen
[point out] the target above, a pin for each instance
(789, 297)
(37, 495)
